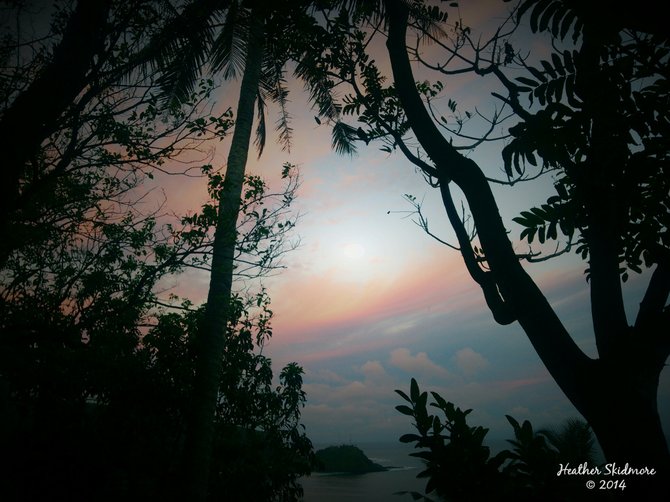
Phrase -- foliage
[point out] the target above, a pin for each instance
(260, 446)
(77, 361)
(254, 40)
(459, 467)
(96, 360)
(617, 90)
(588, 116)
(574, 440)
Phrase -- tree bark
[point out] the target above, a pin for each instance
(210, 343)
(616, 394)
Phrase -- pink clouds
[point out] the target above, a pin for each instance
(358, 400)
(419, 364)
(469, 361)
(310, 304)
(373, 370)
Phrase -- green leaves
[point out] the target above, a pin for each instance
(541, 221)
(554, 82)
(343, 138)
(602, 126)
(456, 460)
(405, 410)
(552, 15)
(459, 467)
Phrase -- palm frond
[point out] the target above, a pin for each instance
(180, 50)
(261, 133)
(274, 84)
(371, 11)
(573, 439)
(183, 69)
(319, 86)
(343, 137)
(230, 46)
(429, 19)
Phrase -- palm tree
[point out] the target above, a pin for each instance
(256, 38)
(574, 441)
(252, 38)
(211, 341)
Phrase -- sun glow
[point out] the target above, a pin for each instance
(354, 251)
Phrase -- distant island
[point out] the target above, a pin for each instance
(346, 458)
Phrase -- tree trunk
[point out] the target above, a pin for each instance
(617, 393)
(623, 413)
(210, 342)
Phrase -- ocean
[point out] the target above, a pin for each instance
(373, 486)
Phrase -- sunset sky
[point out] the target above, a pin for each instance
(368, 300)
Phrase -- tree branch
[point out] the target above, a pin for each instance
(564, 360)
(34, 114)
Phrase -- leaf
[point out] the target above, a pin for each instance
(570, 92)
(531, 217)
(507, 160)
(441, 402)
(409, 438)
(527, 81)
(567, 59)
(557, 88)
(537, 74)
(541, 213)
(547, 15)
(537, 12)
(422, 402)
(517, 166)
(513, 422)
(414, 390)
(531, 158)
(405, 410)
(567, 22)
(531, 235)
(561, 190)
(551, 231)
(523, 221)
(558, 64)
(548, 68)
(403, 395)
(541, 93)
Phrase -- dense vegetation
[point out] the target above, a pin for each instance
(460, 467)
(111, 389)
(97, 356)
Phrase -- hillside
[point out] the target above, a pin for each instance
(346, 458)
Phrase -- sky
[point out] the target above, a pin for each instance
(368, 300)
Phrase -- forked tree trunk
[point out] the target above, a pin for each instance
(210, 342)
(617, 393)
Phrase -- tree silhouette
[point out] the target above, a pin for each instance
(596, 121)
(92, 367)
(574, 440)
(252, 39)
(459, 467)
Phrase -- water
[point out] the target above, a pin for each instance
(374, 486)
